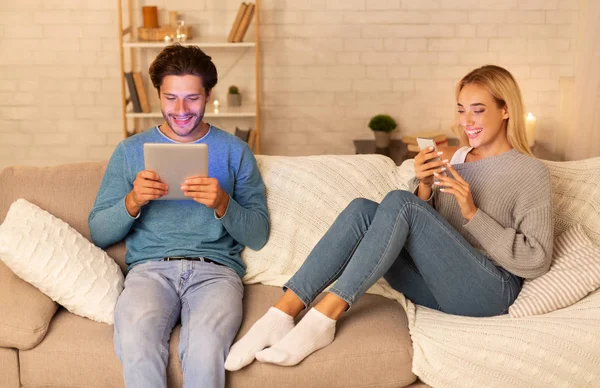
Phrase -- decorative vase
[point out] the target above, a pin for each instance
(382, 139)
(150, 16)
(234, 99)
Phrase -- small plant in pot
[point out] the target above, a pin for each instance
(382, 126)
(234, 98)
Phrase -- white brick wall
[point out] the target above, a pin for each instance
(411, 54)
(327, 67)
(49, 54)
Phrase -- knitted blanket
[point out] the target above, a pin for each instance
(305, 194)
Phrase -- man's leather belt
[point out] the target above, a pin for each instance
(204, 259)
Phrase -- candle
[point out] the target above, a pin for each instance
(216, 105)
(530, 128)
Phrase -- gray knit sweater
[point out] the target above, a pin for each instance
(513, 225)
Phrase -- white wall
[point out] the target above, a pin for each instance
(330, 65)
(58, 81)
(327, 67)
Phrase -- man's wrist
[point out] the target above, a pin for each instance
(132, 207)
(221, 209)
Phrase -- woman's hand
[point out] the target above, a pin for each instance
(426, 163)
(461, 190)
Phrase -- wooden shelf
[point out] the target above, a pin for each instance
(202, 43)
(224, 112)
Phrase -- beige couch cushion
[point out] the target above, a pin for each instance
(372, 338)
(9, 368)
(25, 312)
(77, 352)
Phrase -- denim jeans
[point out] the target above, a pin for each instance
(208, 299)
(417, 251)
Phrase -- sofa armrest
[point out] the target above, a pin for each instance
(25, 312)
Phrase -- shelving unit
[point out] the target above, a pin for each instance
(131, 119)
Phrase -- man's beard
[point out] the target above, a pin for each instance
(171, 123)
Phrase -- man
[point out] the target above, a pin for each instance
(183, 256)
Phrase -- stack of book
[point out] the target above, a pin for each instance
(411, 140)
(241, 23)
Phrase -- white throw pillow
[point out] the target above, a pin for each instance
(575, 272)
(46, 252)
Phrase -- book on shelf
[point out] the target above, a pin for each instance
(252, 139)
(141, 92)
(245, 23)
(247, 135)
(133, 95)
(236, 22)
(242, 134)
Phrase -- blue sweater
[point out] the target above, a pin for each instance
(183, 227)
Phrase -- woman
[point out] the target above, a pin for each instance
(461, 243)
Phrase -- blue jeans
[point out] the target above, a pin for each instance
(417, 251)
(208, 299)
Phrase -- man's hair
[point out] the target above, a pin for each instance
(179, 60)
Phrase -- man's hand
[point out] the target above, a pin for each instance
(146, 187)
(207, 191)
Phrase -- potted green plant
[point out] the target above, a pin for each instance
(382, 126)
(234, 98)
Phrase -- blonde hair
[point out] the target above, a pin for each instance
(505, 90)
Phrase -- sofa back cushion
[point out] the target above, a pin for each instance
(66, 191)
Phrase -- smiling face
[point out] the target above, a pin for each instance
(482, 120)
(182, 103)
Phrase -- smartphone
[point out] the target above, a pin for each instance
(425, 143)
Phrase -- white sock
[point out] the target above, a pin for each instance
(268, 330)
(313, 332)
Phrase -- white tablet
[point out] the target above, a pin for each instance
(174, 163)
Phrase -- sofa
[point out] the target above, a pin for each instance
(44, 345)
